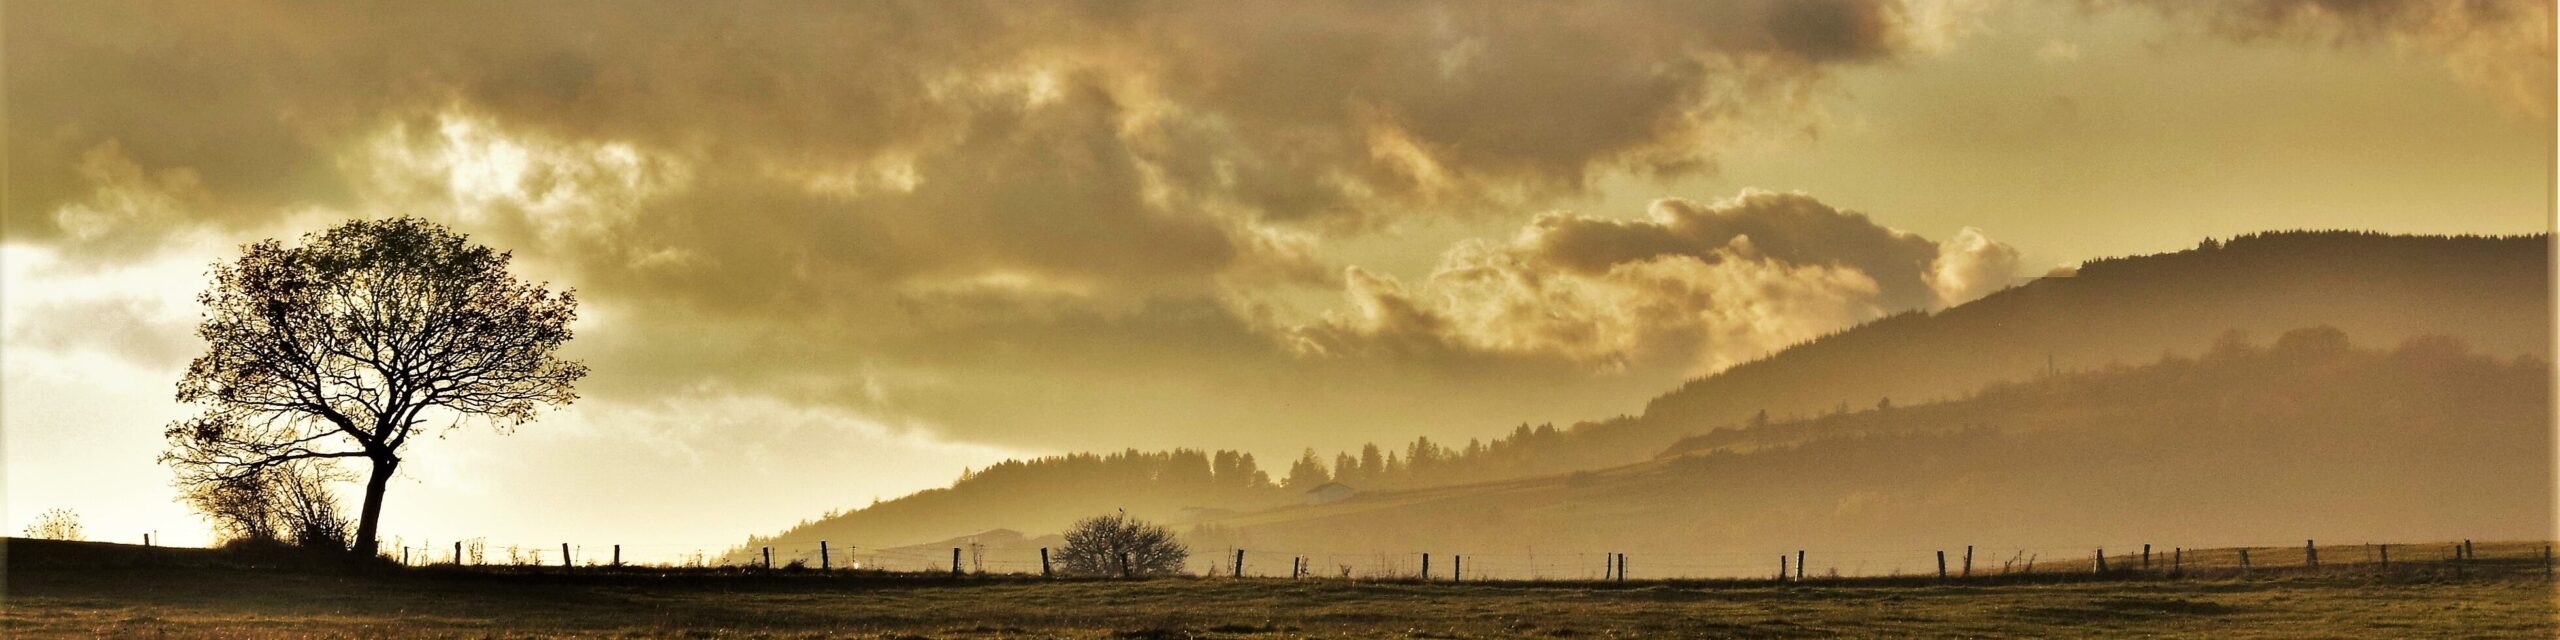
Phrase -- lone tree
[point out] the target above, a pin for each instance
(1096, 546)
(352, 342)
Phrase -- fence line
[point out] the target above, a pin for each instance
(1957, 562)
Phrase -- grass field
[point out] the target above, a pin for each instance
(201, 599)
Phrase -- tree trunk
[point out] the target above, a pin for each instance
(367, 529)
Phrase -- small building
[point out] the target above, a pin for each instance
(1329, 493)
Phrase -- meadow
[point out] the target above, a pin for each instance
(193, 594)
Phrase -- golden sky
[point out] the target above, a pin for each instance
(832, 251)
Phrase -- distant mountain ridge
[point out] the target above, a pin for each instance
(2244, 443)
(2493, 293)
(2490, 293)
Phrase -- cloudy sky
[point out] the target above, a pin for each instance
(829, 252)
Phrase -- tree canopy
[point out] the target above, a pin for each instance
(357, 339)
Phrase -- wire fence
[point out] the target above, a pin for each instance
(1526, 564)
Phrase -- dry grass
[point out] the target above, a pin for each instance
(215, 601)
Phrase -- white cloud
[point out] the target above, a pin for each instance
(1696, 287)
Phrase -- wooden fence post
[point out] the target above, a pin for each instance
(2386, 556)
(1239, 568)
(1622, 567)
(768, 558)
(2244, 558)
(2102, 559)
(1799, 564)
(1968, 561)
(955, 562)
(2146, 556)
(1044, 562)
(457, 553)
(1782, 566)
(2310, 555)
(404, 552)
(2178, 560)
(1426, 567)
(1457, 568)
(564, 556)
(2469, 553)
(1942, 564)
(617, 556)
(826, 559)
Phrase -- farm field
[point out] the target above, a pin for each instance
(189, 600)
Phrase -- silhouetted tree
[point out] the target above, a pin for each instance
(1096, 545)
(350, 343)
(1187, 468)
(1307, 473)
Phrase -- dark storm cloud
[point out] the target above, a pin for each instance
(2502, 46)
(864, 199)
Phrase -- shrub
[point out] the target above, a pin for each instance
(1096, 546)
(58, 524)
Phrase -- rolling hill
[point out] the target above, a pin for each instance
(2244, 444)
(1788, 410)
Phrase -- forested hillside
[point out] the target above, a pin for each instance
(2489, 294)
(2249, 443)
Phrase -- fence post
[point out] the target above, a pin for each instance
(1942, 564)
(2177, 561)
(404, 552)
(2386, 556)
(1125, 571)
(768, 558)
(617, 556)
(1968, 561)
(457, 553)
(1799, 564)
(2146, 556)
(1457, 568)
(1239, 568)
(2310, 555)
(1782, 566)
(1044, 562)
(2244, 558)
(1426, 567)
(1622, 567)
(955, 562)
(826, 559)
(2102, 559)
